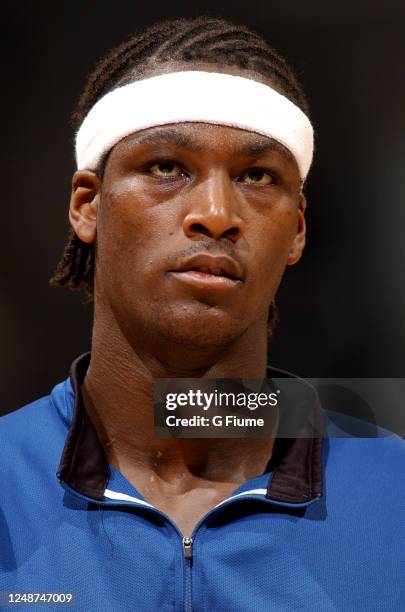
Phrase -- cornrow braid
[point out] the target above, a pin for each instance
(192, 41)
(109, 70)
(75, 269)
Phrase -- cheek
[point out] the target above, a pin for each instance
(274, 241)
(129, 233)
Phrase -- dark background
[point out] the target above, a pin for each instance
(342, 307)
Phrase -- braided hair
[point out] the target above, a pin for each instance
(192, 41)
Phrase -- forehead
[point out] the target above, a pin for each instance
(204, 138)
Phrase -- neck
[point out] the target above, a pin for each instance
(118, 392)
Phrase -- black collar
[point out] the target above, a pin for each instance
(296, 463)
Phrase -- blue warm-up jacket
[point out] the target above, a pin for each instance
(322, 530)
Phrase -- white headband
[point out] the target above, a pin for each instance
(206, 97)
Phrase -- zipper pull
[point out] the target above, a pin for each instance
(188, 548)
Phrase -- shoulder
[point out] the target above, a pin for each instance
(360, 454)
(35, 433)
(39, 415)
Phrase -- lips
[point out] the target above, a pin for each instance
(210, 264)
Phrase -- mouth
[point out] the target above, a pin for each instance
(212, 265)
(209, 272)
(201, 281)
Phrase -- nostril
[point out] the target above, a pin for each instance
(213, 230)
(200, 229)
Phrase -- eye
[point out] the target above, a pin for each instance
(256, 176)
(166, 169)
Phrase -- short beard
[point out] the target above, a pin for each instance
(197, 332)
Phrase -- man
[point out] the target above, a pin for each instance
(193, 147)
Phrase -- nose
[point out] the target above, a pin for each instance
(214, 210)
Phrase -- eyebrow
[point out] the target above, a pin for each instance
(255, 149)
(261, 145)
(176, 137)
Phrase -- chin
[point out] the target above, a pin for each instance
(209, 328)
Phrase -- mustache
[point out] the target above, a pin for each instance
(208, 246)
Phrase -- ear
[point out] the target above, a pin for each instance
(84, 204)
(298, 244)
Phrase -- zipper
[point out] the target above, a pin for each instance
(187, 542)
(188, 556)
(188, 548)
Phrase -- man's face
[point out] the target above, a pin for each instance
(172, 193)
